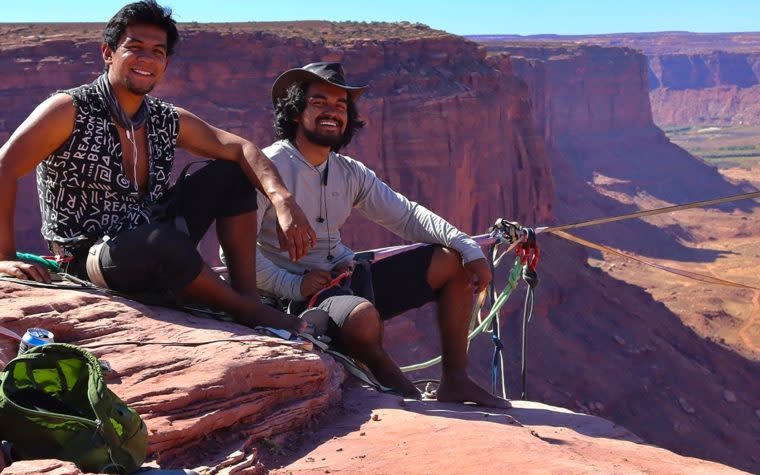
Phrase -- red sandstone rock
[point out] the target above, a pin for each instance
(40, 467)
(430, 438)
(200, 403)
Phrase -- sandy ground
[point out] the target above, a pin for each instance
(726, 315)
(379, 434)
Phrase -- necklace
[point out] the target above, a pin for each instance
(128, 123)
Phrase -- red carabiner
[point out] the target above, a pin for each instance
(528, 251)
(333, 283)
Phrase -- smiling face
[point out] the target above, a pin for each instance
(323, 122)
(139, 60)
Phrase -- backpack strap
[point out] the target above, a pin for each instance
(6, 455)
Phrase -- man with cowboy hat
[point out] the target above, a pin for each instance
(316, 116)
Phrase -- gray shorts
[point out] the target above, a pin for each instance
(399, 283)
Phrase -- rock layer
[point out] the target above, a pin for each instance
(694, 78)
(195, 400)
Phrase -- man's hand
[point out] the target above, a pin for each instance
(293, 229)
(479, 274)
(314, 281)
(25, 271)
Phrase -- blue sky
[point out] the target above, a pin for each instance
(522, 17)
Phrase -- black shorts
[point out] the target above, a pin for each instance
(162, 255)
(399, 283)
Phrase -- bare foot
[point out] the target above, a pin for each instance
(396, 381)
(388, 374)
(465, 390)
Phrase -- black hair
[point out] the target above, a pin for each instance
(145, 12)
(294, 102)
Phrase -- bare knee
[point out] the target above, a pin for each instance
(363, 328)
(445, 266)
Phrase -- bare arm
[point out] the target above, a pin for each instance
(46, 128)
(200, 138)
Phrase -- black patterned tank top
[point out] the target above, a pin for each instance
(83, 190)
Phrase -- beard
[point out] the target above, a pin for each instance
(137, 89)
(323, 139)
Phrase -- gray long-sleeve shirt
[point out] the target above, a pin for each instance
(350, 184)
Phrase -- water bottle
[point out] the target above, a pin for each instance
(34, 337)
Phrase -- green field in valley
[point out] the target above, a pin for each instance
(723, 146)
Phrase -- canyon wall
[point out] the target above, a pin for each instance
(694, 78)
(591, 106)
(434, 112)
(710, 88)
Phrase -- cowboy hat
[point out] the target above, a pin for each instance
(329, 73)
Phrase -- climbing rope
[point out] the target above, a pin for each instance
(649, 212)
(497, 363)
(502, 232)
(683, 273)
(494, 310)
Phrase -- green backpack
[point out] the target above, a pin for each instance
(54, 403)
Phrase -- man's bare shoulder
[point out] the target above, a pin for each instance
(58, 109)
(55, 115)
(59, 102)
(46, 128)
(182, 112)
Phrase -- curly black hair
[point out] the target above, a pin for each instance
(145, 12)
(294, 102)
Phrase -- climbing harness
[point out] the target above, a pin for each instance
(94, 269)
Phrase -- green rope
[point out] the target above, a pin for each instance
(48, 264)
(501, 299)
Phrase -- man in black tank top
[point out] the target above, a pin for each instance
(104, 152)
